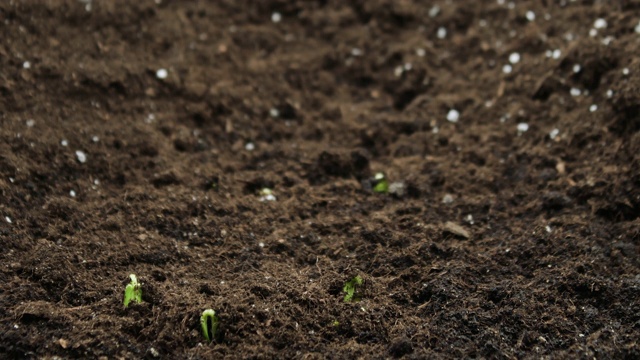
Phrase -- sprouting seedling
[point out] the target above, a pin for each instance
(352, 289)
(266, 194)
(381, 183)
(133, 291)
(209, 322)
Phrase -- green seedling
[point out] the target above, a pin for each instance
(335, 323)
(209, 322)
(381, 183)
(353, 289)
(133, 291)
(266, 191)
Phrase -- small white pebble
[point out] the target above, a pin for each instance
(249, 146)
(514, 58)
(64, 142)
(276, 17)
(261, 244)
(442, 33)
(548, 228)
(434, 11)
(162, 74)
(577, 68)
(72, 193)
(600, 24)
(507, 69)
(469, 219)
(556, 54)
(421, 52)
(593, 108)
(8, 219)
(356, 52)
(609, 93)
(447, 199)
(453, 115)
(273, 112)
(398, 71)
(95, 139)
(31, 123)
(575, 92)
(531, 16)
(625, 71)
(554, 133)
(522, 127)
(81, 156)
(26, 65)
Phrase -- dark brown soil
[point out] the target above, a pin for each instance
(501, 245)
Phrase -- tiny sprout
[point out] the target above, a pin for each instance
(381, 183)
(335, 323)
(133, 291)
(352, 289)
(266, 194)
(209, 322)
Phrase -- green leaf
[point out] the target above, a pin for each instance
(209, 322)
(351, 288)
(133, 291)
(381, 183)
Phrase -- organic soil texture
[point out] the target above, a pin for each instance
(137, 137)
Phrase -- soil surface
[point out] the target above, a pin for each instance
(137, 136)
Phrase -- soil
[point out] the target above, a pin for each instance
(495, 242)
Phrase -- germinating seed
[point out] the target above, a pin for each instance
(554, 133)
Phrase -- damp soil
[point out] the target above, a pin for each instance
(495, 243)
